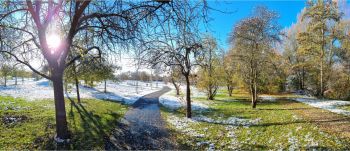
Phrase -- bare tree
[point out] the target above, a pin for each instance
(178, 42)
(210, 72)
(229, 72)
(175, 77)
(109, 25)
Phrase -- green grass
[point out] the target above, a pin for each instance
(280, 127)
(88, 122)
(345, 107)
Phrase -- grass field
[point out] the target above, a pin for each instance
(31, 124)
(282, 124)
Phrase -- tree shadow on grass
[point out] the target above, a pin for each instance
(89, 130)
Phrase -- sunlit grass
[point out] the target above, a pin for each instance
(280, 127)
(345, 107)
(89, 122)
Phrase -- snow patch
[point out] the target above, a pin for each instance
(229, 121)
(126, 91)
(330, 105)
(268, 98)
(176, 102)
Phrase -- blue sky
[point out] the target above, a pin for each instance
(222, 23)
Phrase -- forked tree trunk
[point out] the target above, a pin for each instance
(210, 93)
(61, 119)
(188, 97)
(177, 88)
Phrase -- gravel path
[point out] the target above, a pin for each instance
(143, 127)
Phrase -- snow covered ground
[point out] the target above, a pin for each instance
(124, 91)
(171, 101)
(187, 126)
(330, 105)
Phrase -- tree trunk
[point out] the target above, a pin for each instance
(176, 86)
(5, 78)
(61, 119)
(77, 88)
(229, 90)
(105, 86)
(76, 82)
(253, 95)
(15, 78)
(321, 79)
(177, 90)
(211, 97)
(253, 87)
(303, 79)
(209, 93)
(254, 101)
(188, 97)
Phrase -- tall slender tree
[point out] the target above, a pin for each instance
(319, 39)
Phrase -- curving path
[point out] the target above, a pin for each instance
(143, 127)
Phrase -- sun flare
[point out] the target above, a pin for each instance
(53, 40)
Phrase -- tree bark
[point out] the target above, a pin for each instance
(15, 78)
(5, 78)
(229, 90)
(76, 82)
(253, 88)
(321, 80)
(321, 59)
(303, 79)
(105, 86)
(77, 88)
(61, 119)
(254, 96)
(210, 93)
(176, 86)
(188, 97)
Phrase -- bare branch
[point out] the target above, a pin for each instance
(27, 64)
